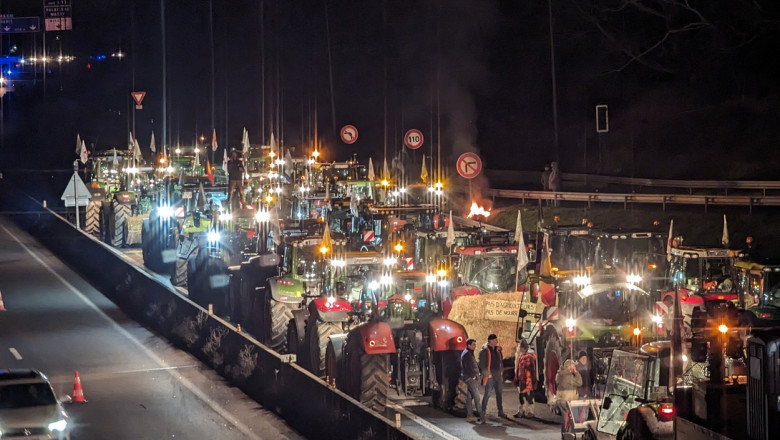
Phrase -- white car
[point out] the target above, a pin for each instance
(29, 409)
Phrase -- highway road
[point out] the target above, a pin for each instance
(137, 385)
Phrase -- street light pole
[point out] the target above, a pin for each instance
(554, 86)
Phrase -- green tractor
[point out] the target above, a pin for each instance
(758, 287)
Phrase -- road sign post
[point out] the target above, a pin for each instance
(414, 139)
(138, 97)
(469, 165)
(76, 193)
(56, 15)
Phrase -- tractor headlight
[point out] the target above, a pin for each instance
(582, 280)
(373, 285)
(634, 279)
(165, 212)
(213, 236)
(58, 426)
(225, 216)
(386, 280)
(390, 261)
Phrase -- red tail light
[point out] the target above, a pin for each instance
(765, 315)
(459, 339)
(665, 412)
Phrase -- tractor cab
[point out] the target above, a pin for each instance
(758, 285)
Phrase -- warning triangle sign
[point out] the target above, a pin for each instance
(76, 190)
(138, 97)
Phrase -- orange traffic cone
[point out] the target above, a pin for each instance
(78, 393)
(2, 306)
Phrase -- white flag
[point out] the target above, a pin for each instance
(450, 232)
(385, 171)
(371, 175)
(152, 146)
(83, 156)
(78, 144)
(245, 142)
(115, 161)
(273, 142)
(224, 160)
(522, 253)
(669, 241)
(136, 150)
(130, 141)
(725, 238)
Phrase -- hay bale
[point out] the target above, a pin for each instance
(482, 315)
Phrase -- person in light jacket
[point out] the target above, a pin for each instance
(567, 381)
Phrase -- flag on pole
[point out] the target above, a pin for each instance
(669, 241)
(450, 232)
(546, 265)
(208, 172)
(245, 141)
(136, 150)
(371, 175)
(152, 146)
(214, 145)
(83, 155)
(385, 171)
(201, 197)
(130, 141)
(78, 144)
(116, 159)
(224, 160)
(273, 142)
(424, 171)
(522, 253)
(725, 238)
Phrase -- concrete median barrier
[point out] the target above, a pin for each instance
(308, 404)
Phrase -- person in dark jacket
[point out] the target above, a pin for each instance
(586, 390)
(469, 373)
(235, 171)
(525, 379)
(491, 362)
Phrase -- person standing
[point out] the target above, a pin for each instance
(567, 381)
(586, 390)
(491, 360)
(235, 169)
(525, 379)
(554, 181)
(546, 178)
(469, 373)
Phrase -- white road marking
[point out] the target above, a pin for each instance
(16, 354)
(422, 422)
(186, 383)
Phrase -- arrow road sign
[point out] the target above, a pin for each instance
(469, 165)
(349, 134)
(414, 139)
(18, 25)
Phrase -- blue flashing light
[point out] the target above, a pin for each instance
(100, 57)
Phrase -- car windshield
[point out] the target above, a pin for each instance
(569, 252)
(26, 395)
(310, 264)
(704, 275)
(490, 273)
(772, 290)
(628, 253)
(626, 381)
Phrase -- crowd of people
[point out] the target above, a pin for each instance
(483, 372)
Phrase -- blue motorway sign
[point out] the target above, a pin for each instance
(16, 25)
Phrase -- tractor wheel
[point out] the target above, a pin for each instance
(319, 333)
(103, 234)
(292, 342)
(461, 393)
(92, 223)
(280, 315)
(366, 375)
(554, 356)
(625, 433)
(447, 374)
(179, 273)
(151, 250)
(332, 365)
(118, 223)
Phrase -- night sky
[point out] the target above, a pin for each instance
(688, 83)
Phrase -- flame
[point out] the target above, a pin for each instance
(477, 210)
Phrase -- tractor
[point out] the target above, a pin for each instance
(758, 285)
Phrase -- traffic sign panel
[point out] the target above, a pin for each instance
(349, 134)
(469, 165)
(16, 25)
(414, 139)
(138, 97)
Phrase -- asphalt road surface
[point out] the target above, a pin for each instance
(137, 385)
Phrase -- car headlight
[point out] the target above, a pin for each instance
(59, 425)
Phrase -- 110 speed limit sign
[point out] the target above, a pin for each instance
(413, 139)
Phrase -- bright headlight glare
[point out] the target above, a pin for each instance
(338, 263)
(165, 211)
(570, 322)
(389, 261)
(581, 280)
(59, 425)
(331, 300)
(213, 236)
(225, 217)
(373, 285)
(262, 216)
(444, 283)
(634, 279)
(431, 278)
(657, 319)
(386, 280)
(408, 297)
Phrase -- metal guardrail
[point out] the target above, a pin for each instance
(762, 185)
(626, 199)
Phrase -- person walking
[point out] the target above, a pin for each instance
(491, 360)
(469, 373)
(525, 379)
(586, 390)
(567, 381)
(554, 181)
(235, 169)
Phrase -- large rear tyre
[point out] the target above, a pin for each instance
(118, 223)
(92, 223)
(332, 365)
(292, 342)
(319, 333)
(554, 356)
(447, 365)
(280, 316)
(179, 272)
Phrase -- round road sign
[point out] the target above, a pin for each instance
(349, 134)
(469, 165)
(414, 139)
